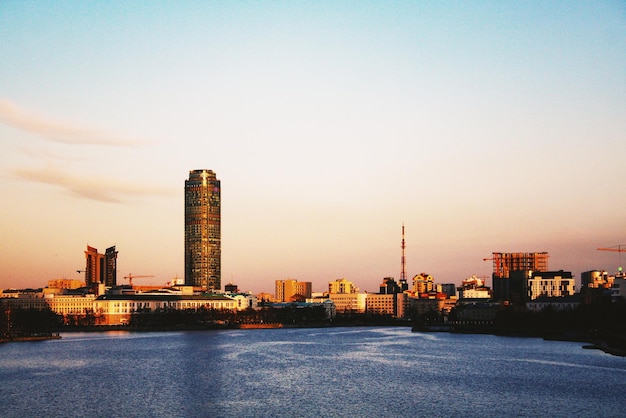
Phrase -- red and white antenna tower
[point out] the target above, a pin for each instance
(403, 262)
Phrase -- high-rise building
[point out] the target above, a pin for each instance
(203, 230)
(110, 266)
(100, 268)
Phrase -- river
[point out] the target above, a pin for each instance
(325, 372)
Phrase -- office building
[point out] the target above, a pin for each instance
(349, 302)
(342, 286)
(203, 230)
(292, 290)
(100, 268)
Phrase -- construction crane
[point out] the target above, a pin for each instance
(616, 248)
(131, 276)
(621, 248)
(496, 264)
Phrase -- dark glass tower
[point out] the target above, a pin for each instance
(203, 230)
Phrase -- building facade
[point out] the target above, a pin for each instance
(381, 304)
(423, 283)
(286, 290)
(100, 268)
(349, 302)
(550, 284)
(203, 230)
(342, 286)
(596, 279)
(117, 309)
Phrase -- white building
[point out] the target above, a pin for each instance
(349, 302)
(477, 293)
(550, 284)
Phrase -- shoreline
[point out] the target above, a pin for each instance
(609, 342)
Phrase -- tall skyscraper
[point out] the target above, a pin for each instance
(203, 230)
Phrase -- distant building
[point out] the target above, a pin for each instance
(327, 305)
(595, 279)
(482, 313)
(342, 286)
(65, 284)
(203, 230)
(618, 290)
(244, 300)
(421, 306)
(381, 304)
(231, 288)
(289, 290)
(473, 289)
(449, 289)
(349, 302)
(511, 272)
(550, 284)
(118, 309)
(389, 286)
(100, 268)
(64, 305)
(423, 283)
(561, 303)
(264, 297)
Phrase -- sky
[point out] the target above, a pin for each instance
(487, 126)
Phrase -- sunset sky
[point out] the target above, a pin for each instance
(491, 126)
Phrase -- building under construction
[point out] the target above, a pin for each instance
(511, 271)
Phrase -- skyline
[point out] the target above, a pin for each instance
(483, 127)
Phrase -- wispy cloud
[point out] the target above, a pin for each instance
(89, 187)
(12, 115)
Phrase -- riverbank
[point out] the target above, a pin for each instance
(30, 337)
(613, 343)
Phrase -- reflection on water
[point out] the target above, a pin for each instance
(369, 371)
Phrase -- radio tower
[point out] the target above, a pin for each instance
(403, 283)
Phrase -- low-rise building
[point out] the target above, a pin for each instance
(244, 300)
(380, 304)
(561, 303)
(476, 313)
(421, 306)
(349, 302)
(118, 309)
(289, 290)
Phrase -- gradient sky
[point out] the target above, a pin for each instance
(483, 126)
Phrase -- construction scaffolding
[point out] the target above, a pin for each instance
(505, 263)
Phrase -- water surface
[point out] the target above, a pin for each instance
(330, 372)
